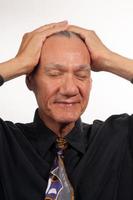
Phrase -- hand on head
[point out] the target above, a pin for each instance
(99, 53)
(30, 48)
(31, 45)
(28, 56)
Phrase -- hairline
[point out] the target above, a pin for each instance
(68, 34)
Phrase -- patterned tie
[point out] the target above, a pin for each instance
(59, 186)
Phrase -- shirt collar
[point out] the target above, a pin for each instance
(46, 137)
(76, 137)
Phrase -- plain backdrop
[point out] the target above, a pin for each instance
(111, 19)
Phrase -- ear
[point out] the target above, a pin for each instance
(29, 82)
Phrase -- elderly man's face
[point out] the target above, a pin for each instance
(62, 82)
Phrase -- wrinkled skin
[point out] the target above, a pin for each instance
(62, 82)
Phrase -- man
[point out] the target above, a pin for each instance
(98, 159)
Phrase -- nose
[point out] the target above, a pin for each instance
(69, 87)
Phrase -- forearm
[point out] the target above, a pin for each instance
(12, 69)
(29, 52)
(119, 65)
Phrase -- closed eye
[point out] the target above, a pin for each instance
(54, 73)
(82, 75)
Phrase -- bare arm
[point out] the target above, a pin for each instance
(29, 53)
(102, 59)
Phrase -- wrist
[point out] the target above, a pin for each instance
(119, 65)
(11, 69)
(107, 61)
(102, 61)
(21, 65)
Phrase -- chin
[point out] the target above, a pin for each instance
(66, 119)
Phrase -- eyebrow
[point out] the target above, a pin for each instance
(59, 66)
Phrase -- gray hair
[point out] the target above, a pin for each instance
(67, 34)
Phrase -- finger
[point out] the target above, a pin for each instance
(52, 25)
(75, 28)
(51, 31)
(81, 31)
(24, 42)
(44, 33)
(87, 35)
(29, 35)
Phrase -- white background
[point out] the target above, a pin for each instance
(113, 22)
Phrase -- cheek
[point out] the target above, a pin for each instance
(45, 91)
(85, 91)
(85, 100)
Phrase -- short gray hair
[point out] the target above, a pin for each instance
(67, 34)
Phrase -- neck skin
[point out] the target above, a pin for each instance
(60, 129)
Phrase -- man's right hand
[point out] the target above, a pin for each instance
(30, 48)
(29, 52)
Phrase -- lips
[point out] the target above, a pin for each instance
(66, 105)
(67, 102)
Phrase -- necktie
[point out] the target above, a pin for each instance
(59, 186)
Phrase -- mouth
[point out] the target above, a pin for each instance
(67, 103)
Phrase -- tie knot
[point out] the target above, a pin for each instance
(61, 143)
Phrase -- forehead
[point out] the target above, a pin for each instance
(64, 50)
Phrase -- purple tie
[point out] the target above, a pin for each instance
(59, 186)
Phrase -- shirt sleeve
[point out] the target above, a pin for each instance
(130, 134)
(1, 192)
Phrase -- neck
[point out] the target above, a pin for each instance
(60, 129)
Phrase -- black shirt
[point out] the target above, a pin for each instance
(98, 160)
